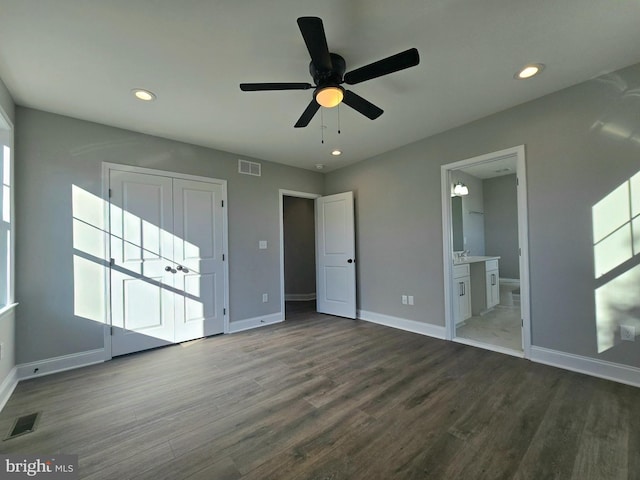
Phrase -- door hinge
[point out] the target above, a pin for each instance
(112, 261)
(519, 251)
(222, 203)
(522, 320)
(109, 193)
(111, 331)
(517, 181)
(224, 311)
(223, 257)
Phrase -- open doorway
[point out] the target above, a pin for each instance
(298, 253)
(485, 240)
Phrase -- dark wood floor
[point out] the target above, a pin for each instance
(319, 397)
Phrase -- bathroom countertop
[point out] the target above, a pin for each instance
(473, 259)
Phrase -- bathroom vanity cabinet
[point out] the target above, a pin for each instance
(476, 286)
(462, 293)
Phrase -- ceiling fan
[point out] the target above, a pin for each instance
(328, 72)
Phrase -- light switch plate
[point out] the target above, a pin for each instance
(410, 299)
(262, 244)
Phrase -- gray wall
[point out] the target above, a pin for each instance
(55, 153)
(501, 223)
(6, 102)
(299, 246)
(7, 337)
(580, 146)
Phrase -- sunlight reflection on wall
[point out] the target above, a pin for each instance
(140, 245)
(88, 241)
(616, 237)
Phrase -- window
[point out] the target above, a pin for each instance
(6, 209)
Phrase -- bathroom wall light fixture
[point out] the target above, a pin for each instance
(460, 189)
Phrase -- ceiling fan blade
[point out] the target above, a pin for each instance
(361, 105)
(394, 63)
(308, 114)
(256, 87)
(313, 33)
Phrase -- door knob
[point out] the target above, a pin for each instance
(179, 267)
(167, 268)
(350, 260)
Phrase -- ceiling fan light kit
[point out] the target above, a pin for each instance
(328, 72)
(330, 96)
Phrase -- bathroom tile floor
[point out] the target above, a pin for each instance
(501, 326)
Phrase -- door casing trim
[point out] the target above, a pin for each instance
(523, 239)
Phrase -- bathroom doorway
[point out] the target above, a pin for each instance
(485, 244)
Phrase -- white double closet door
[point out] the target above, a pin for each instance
(167, 238)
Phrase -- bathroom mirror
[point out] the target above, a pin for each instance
(456, 224)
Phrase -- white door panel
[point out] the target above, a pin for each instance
(198, 229)
(336, 255)
(140, 221)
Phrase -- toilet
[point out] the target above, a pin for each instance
(509, 292)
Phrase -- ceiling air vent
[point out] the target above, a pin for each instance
(249, 168)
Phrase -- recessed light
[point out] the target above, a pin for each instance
(529, 71)
(336, 152)
(319, 166)
(142, 94)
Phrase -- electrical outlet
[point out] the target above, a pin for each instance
(262, 244)
(404, 299)
(628, 332)
(410, 299)
(265, 297)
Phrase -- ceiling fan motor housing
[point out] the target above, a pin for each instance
(333, 77)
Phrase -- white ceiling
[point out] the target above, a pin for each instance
(82, 58)
(494, 168)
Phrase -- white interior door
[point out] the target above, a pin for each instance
(335, 246)
(141, 222)
(198, 254)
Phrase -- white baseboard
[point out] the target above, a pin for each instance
(403, 324)
(589, 366)
(59, 364)
(255, 322)
(7, 387)
(299, 297)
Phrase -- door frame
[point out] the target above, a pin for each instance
(523, 239)
(107, 167)
(290, 193)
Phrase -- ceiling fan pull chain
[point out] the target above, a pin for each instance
(322, 123)
(338, 119)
